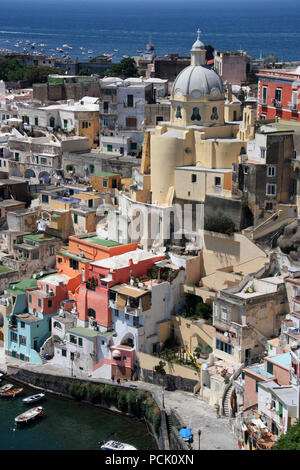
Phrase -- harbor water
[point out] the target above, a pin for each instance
(67, 425)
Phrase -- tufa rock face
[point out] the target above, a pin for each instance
(289, 241)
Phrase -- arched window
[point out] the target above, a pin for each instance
(243, 151)
(178, 113)
(196, 115)
(91, 313)
(214, 114)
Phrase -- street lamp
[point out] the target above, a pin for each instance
(199, 434)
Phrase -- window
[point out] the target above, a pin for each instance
(126, 316)
(116, 313)
(36, 121)
(92, 169)
(271, 189)
(65, 123)
(227, 348)
(178, 114)
(90, 203)
(133, 146)
(43, 161)
(245, 170)
(294, 99)
(217, 181)
(59, 260)
(269, 206)
(130, 101)
(278, 93)
(45, 198)
(73, 339)
(75, 219)
(80, 342)
(91, 313)
(57, 325)
(194, 178)
(245, 189)
(262, 117)
(22, 340)
(214, 115)
(264, 94)
(13, 337)
(195, 115)
(224, 313)
(49, 303)
(74, 264)
(271, 170)
(51, 250)
(39, 302)
(64, 352)
(270, 367)
(16, 156)
(104, 183)
(30, 298)
(263, 153)
(22, 324)
(109, 148)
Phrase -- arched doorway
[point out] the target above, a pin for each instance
(29, 174)
(52, 122)
(44, 177)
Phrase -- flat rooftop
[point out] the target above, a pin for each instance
(90, 238)
(121, 261)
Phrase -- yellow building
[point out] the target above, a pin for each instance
(200, 143)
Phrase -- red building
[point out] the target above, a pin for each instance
(93, 296)
(278, 94)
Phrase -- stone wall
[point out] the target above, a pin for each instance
(170, 382)
(232, 208)
(7, 278)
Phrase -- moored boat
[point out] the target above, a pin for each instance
(116, 445)
(12, 393)
(34, 398)
(29, 415)
(6, 387)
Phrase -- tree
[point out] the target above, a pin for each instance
(209, 52)
(40, 74)
(290, 440)
(12, 69)
(160, 368)
(219, 223)
(84, 72)
(124, 69)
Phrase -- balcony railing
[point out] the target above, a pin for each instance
(277, 103)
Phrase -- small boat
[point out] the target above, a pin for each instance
(6, 387)
(29, 415)
(115, 445)
(34, 398)
(12, 393)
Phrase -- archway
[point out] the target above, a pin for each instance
(29, 174)
(128, 340)
(44, 177)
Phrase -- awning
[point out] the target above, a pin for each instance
(116, 354)
(185, 433)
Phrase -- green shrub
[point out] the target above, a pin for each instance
(77, 390)
(122, 401)
(219, 223)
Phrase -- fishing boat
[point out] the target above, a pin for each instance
(34, 398)
(12, 393)
(6, 387)
(116, 445)
(29, 415)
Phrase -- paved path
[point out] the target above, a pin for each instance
(195, 413)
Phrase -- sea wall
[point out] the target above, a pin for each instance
(119, 398)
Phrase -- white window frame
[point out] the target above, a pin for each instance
(264, 87)
(246, 168)
(263, 152)
(268, 187)
(224, 313)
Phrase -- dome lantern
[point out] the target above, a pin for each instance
(198, 52)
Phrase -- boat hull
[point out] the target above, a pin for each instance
(29, 416)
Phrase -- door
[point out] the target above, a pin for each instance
(247, 356)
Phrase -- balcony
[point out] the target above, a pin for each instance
(293, 107)
(277, 103)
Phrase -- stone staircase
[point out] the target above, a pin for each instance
(227, 401)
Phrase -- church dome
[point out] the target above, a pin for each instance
(197, 78)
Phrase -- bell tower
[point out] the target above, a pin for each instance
(198, 52)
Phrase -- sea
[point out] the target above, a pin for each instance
(124, 27)
(67, 425)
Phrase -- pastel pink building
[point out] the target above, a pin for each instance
(93, 297)
(275, 368)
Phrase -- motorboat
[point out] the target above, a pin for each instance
(29, 415)
(116, 445)
(34, 398)
(6, 387)
(12, 393)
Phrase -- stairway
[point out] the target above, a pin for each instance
(227, 401)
